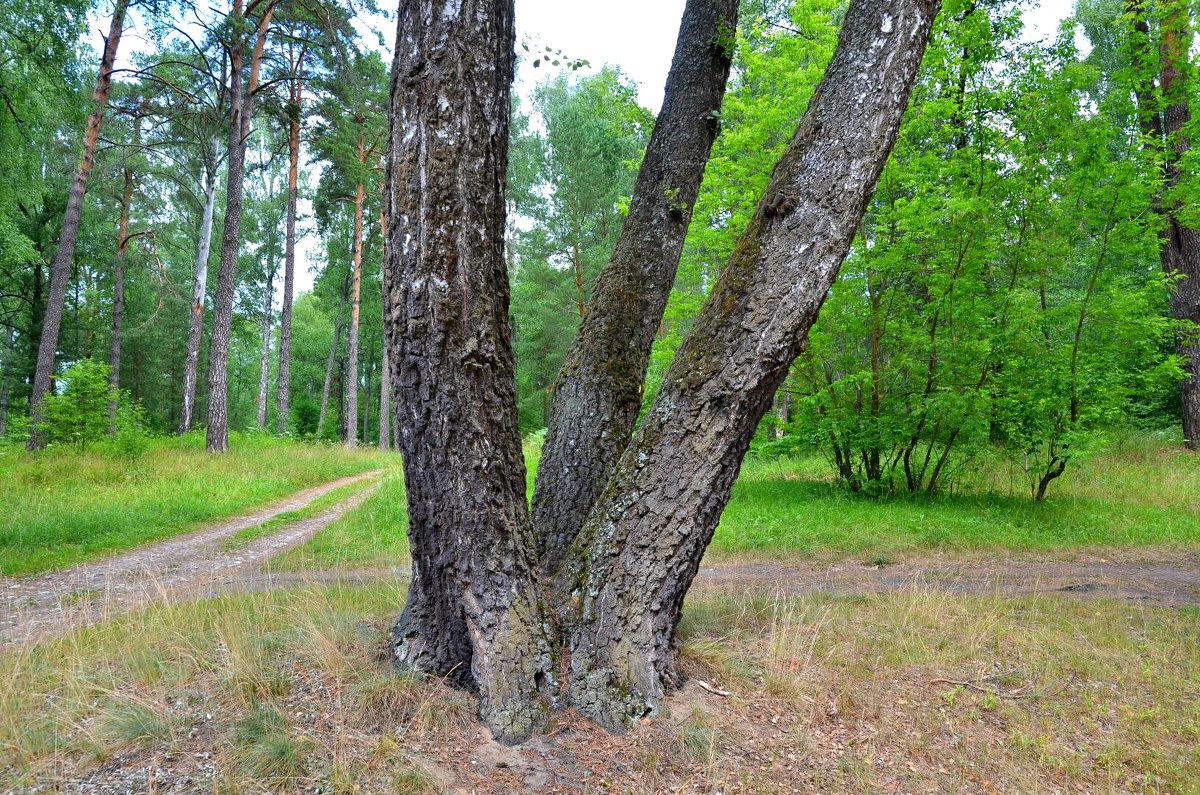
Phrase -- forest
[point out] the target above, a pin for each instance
(898, 286)
(1001, 294)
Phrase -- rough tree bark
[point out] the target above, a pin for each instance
(1179, 250)
(599, 392)
(473, 610)
(242, 111)
(355, 305)
(329, 364)
(641, 545)
(385, 378)
(191, 364)
(118, 311)
(1180, 242)
(295, 102)
(5, 367)
(64, 257)
(264, 362)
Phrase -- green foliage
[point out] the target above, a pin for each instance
(78, 415)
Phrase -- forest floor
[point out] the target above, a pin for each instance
(830, 647)
(239, 556)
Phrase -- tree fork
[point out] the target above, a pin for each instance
(642, 543)
(599, 392)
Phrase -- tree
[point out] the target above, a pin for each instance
(570, 178)
(1164, 115)
(242, 98)
(60, 270)
(349, 140)
(475, 610)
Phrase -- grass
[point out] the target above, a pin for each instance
(1138, 493)
(908, 691)
(1141, 492)
(374, 534)
(62, 507)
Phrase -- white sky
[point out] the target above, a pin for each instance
(601, 33)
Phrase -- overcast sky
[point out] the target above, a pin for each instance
(636, 35)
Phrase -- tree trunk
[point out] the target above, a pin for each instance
(599, 393)
(5, 366)
(114, 348)
(473, 611)
(242, 111)
(191, 366)
(385, 378)
(355, 303)
(642, 543)
(337, 338)
(64, 257)
(296, 97)
(264, 370)
(384, 404)
(1181, 243)
(1164, 137)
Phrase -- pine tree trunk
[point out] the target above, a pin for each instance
(473, 611)
(385, 379)
(337, 338)
(242, 111)
(5, 366)
(355, 303)
(264, 369)
(191, 365)
(599, 393)
(64, 257)
(296, 97)
(118, 311)
(384, 404)
(641, 546)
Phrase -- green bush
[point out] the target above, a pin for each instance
(78, 415)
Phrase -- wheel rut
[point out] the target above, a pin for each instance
(186, 566)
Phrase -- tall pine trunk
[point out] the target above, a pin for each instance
(385, 378)
(599, 392)
(473, 610)
(242, 111)
(355, 304)
(5, 367)
(191, 364)
(329, 365)
(641, 546)
(64, 257)
(118, 311)
(295, 100)
(264, 366)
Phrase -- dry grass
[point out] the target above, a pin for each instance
(918, 691)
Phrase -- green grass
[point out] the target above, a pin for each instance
(375, 534)
(62, 507)
(1138, 493)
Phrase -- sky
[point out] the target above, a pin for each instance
(636, 35)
